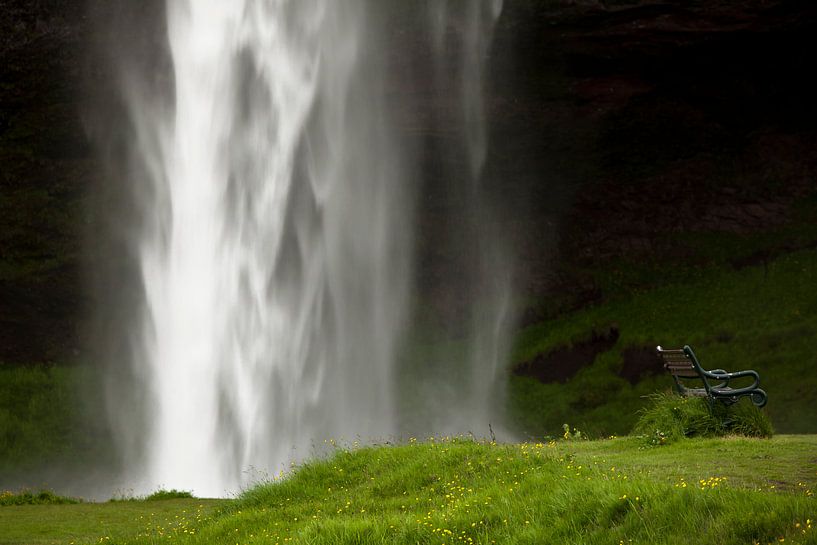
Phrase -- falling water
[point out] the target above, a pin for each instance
(276, 239)
(490, 283)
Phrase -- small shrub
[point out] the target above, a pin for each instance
(670, 417)
(160, 494)
(30, 497)
(750, 421)
(169, 495)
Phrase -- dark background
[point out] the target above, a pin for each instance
(613, 127)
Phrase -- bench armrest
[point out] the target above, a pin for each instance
(720, 374)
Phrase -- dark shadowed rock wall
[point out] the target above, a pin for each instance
(45, 172)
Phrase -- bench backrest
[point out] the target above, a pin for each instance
(682, 363)
(678, 363)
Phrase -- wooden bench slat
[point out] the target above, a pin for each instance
(684, 374)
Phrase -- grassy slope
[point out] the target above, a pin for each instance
(759, 317)
(455, 491)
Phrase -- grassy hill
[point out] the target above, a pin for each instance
(759, 317)
(733, 490)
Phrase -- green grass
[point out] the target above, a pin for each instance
(173, 494)
(759, 317)
(728, 490)
(30, 497)
(159, 495)
(93, 522)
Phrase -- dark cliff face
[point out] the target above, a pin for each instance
(613, 126)
(45, 172)
(651, 124)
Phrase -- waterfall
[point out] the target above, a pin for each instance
(275, 239)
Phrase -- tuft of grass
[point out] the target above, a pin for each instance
(31, 497)
(160, 494)
(172, 494)
(670, 417)
(749, 421)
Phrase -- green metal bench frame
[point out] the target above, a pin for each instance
(681, 363)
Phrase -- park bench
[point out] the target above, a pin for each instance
(681, 363)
